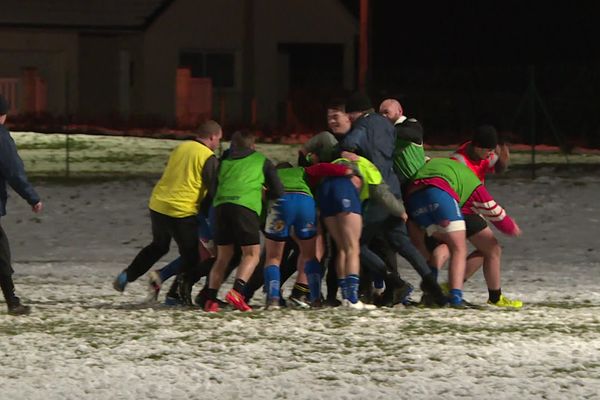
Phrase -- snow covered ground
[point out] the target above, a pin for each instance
(86, 341)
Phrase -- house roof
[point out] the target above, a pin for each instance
(92, 15)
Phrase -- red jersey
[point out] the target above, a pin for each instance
(481, 167)
(481, 202)
(315, 173)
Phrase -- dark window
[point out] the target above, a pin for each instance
(220, 67)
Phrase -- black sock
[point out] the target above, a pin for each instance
(434, 272)
(240, 286)
(299, 290)
(211, 294)
(494, 295)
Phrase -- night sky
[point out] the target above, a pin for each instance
(460, 63)
(487, 32)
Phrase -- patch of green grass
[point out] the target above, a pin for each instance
(113, 157)
(584, 367)
(328, 378)
(104, 156)
(568, 305)
(158, 356)
(74, 145)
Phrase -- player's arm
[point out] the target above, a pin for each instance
(315, 145)
(354, 141)
(13, 170)
(482, 203)
(210, 172)
(381, 194)
(272, 182)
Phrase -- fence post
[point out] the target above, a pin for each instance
(68, 155)
(531, 94)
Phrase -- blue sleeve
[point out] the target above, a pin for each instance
(13, 170)
(355, 141)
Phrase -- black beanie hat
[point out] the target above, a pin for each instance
(3, 105)
(358, 102)
(485, 137)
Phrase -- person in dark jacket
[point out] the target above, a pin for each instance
(12, 172)
(374, 137)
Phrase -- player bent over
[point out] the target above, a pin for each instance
(340, 201)
(435, 197)
(295, 210)
(483, 155)
(238, 204)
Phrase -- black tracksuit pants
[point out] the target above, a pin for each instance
(6, 271)
(164, 228)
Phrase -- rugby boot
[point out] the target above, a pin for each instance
(120, 281)
(301, 301)
(15, 307)
(154, 284)
(273, 304)
(359, 305)
(430, 286)
(236, 299)
(211, 306)
(506, 302)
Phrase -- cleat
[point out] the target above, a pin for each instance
(185, 292)
(318, 303)
(463, 305)
(154, 284)
(434, 294)
(120, 281)
(332, 302)
(411, 303)
(359, 305)
(401, 295)
(507, 303)
(406, 300)
(201, 299)
(299, 302)
(273, 304)
(236, 299)
(427, 300)
(211, 306)
(172, 301)
(19, 309)
(472, 306)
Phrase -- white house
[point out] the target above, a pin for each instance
(102, 58)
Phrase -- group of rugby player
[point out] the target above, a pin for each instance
(362, 193)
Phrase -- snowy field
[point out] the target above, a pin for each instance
(86, 341)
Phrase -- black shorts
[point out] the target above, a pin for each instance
(474, 224)
(237, 225)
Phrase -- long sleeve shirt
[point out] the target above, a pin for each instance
(12, 172)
